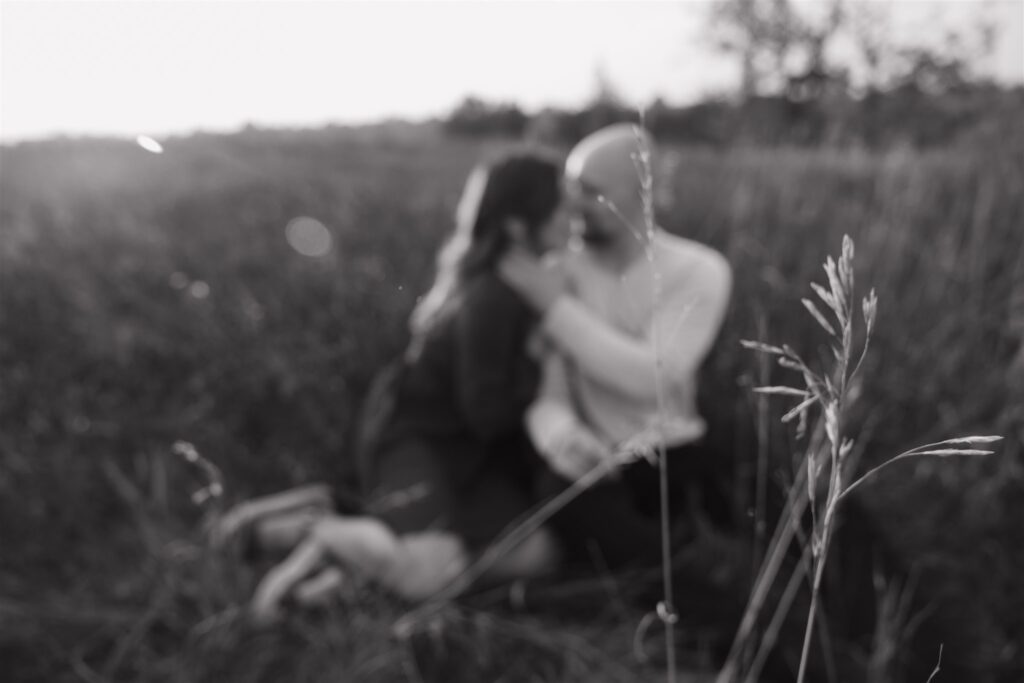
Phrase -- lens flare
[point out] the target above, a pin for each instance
(149, 144)
(308, 236)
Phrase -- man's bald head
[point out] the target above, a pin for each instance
(605, 162)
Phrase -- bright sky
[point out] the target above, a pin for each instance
(139, 67)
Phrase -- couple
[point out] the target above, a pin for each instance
(529, 365)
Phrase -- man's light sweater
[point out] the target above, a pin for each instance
(612, 343)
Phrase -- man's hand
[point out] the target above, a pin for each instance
(578, 452)
(538, 284)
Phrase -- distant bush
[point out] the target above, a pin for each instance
(904, 115)
(475, 118)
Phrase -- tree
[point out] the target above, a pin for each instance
(476, 118)
(774, 41)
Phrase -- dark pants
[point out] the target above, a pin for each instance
(617, 521)
(615, 526)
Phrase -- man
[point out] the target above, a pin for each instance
(631, 312)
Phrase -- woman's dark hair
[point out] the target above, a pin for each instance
(521, 185)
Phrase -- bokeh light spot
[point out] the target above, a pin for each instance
(149, 144)
(308, 236)
(199, 289)
(178, 280)
(253, 309)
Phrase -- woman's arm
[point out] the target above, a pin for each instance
(492, 386)
(570, 448)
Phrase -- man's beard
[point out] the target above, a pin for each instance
(593, 235)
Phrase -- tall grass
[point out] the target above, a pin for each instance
(829, 471)
(937, 237)
(111, 350)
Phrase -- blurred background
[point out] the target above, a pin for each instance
(216, 217)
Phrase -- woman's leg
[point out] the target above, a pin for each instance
(537, 555)
(420, 538)
(414, 566)
(272, 590)
(321, 588)
(282, 532)
(276, 522)
(424, 563)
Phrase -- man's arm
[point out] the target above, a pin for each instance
(683, 329)
(568, 446)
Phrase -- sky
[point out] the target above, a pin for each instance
(156, 68)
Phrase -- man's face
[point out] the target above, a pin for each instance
(591, 219)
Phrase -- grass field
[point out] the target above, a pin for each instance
(152, 298)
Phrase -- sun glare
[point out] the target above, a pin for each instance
(149, 144)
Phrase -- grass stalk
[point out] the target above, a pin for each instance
(666, 609)
(830, 391)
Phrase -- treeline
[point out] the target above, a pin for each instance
(811, 111)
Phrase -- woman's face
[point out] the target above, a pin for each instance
(554, 233)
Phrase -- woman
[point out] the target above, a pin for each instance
(449, 463)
